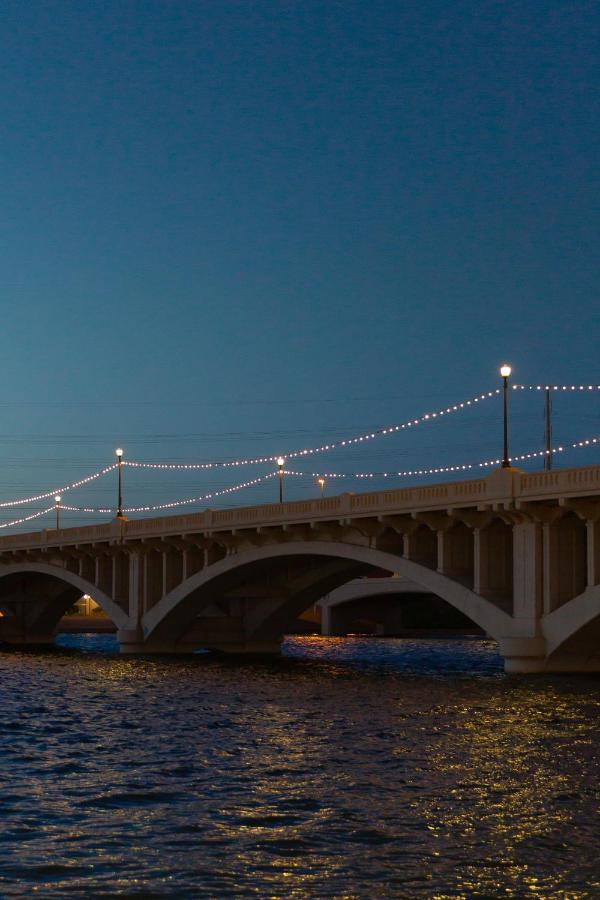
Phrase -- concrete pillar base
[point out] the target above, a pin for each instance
(529, 655)
(131, 640)
(564, 665)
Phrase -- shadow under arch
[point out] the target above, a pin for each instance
(54, 607)
(574, 628)
(176, 611)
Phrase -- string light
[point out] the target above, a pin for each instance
(556, 387)
(87, 509)
(440, 470)
(333, 445)
(172, 504)
(210, 496)
(36, 515)
(309, 451)
(60, 490)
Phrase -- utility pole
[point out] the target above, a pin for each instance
(548, 431)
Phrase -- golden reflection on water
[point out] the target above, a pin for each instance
(356, 769)
(501, 767)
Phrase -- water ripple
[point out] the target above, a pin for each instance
(348, 768)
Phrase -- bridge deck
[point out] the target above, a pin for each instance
(502, 486)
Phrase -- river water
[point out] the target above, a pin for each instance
(348, 768)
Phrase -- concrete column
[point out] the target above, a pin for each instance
(444, 562)
(527, 571)
(593, 552)
(115, 578)
(153, 579)
(212, 554)
(172, 570)
(481, 562)
(408, 545)
(135, 588)
(420, 546)
(454, 550)
(120, 579)
(333, 622)
(165, 573)
(131, 639)
(103, 574)
(87, 568)
(193, 561)
(551, 567)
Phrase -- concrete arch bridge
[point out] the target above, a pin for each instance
(519, 554)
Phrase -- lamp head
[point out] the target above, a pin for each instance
(280, 461)
(119, 452)
(505, 370)
(321, 481)
(58, 498)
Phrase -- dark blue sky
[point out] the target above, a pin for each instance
(252, 225)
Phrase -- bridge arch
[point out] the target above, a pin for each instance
(45, 610)
(373, 587)
(172, 615)
(367, 600)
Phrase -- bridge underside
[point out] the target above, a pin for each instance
(393, 615)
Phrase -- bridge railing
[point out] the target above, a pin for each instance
(560, 481)
(500, 485)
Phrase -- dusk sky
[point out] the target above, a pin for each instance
(231, 228)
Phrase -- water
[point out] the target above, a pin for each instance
(349, 768)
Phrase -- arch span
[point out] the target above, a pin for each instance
(372, 587)
(179, 607)
(70, 581)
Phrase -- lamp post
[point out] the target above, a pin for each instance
(321, 483)
(280, 464)
(119, 454)
(57, 500)
(505, 371)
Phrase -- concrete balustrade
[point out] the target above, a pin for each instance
(519, 554)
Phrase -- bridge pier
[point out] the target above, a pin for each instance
(529, 655)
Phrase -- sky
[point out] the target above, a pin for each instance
(241, 228)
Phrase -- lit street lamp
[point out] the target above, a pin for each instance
(280, 464)
(321, 483)
(57, 500)
(505, 371)
(119, 454)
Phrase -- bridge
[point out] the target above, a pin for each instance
(517, 553)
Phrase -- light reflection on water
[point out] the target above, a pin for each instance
(348, 768)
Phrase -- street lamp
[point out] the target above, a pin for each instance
(280, 464)
(119, 454)
(321, 483)
(57, 500)
(505, 371)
